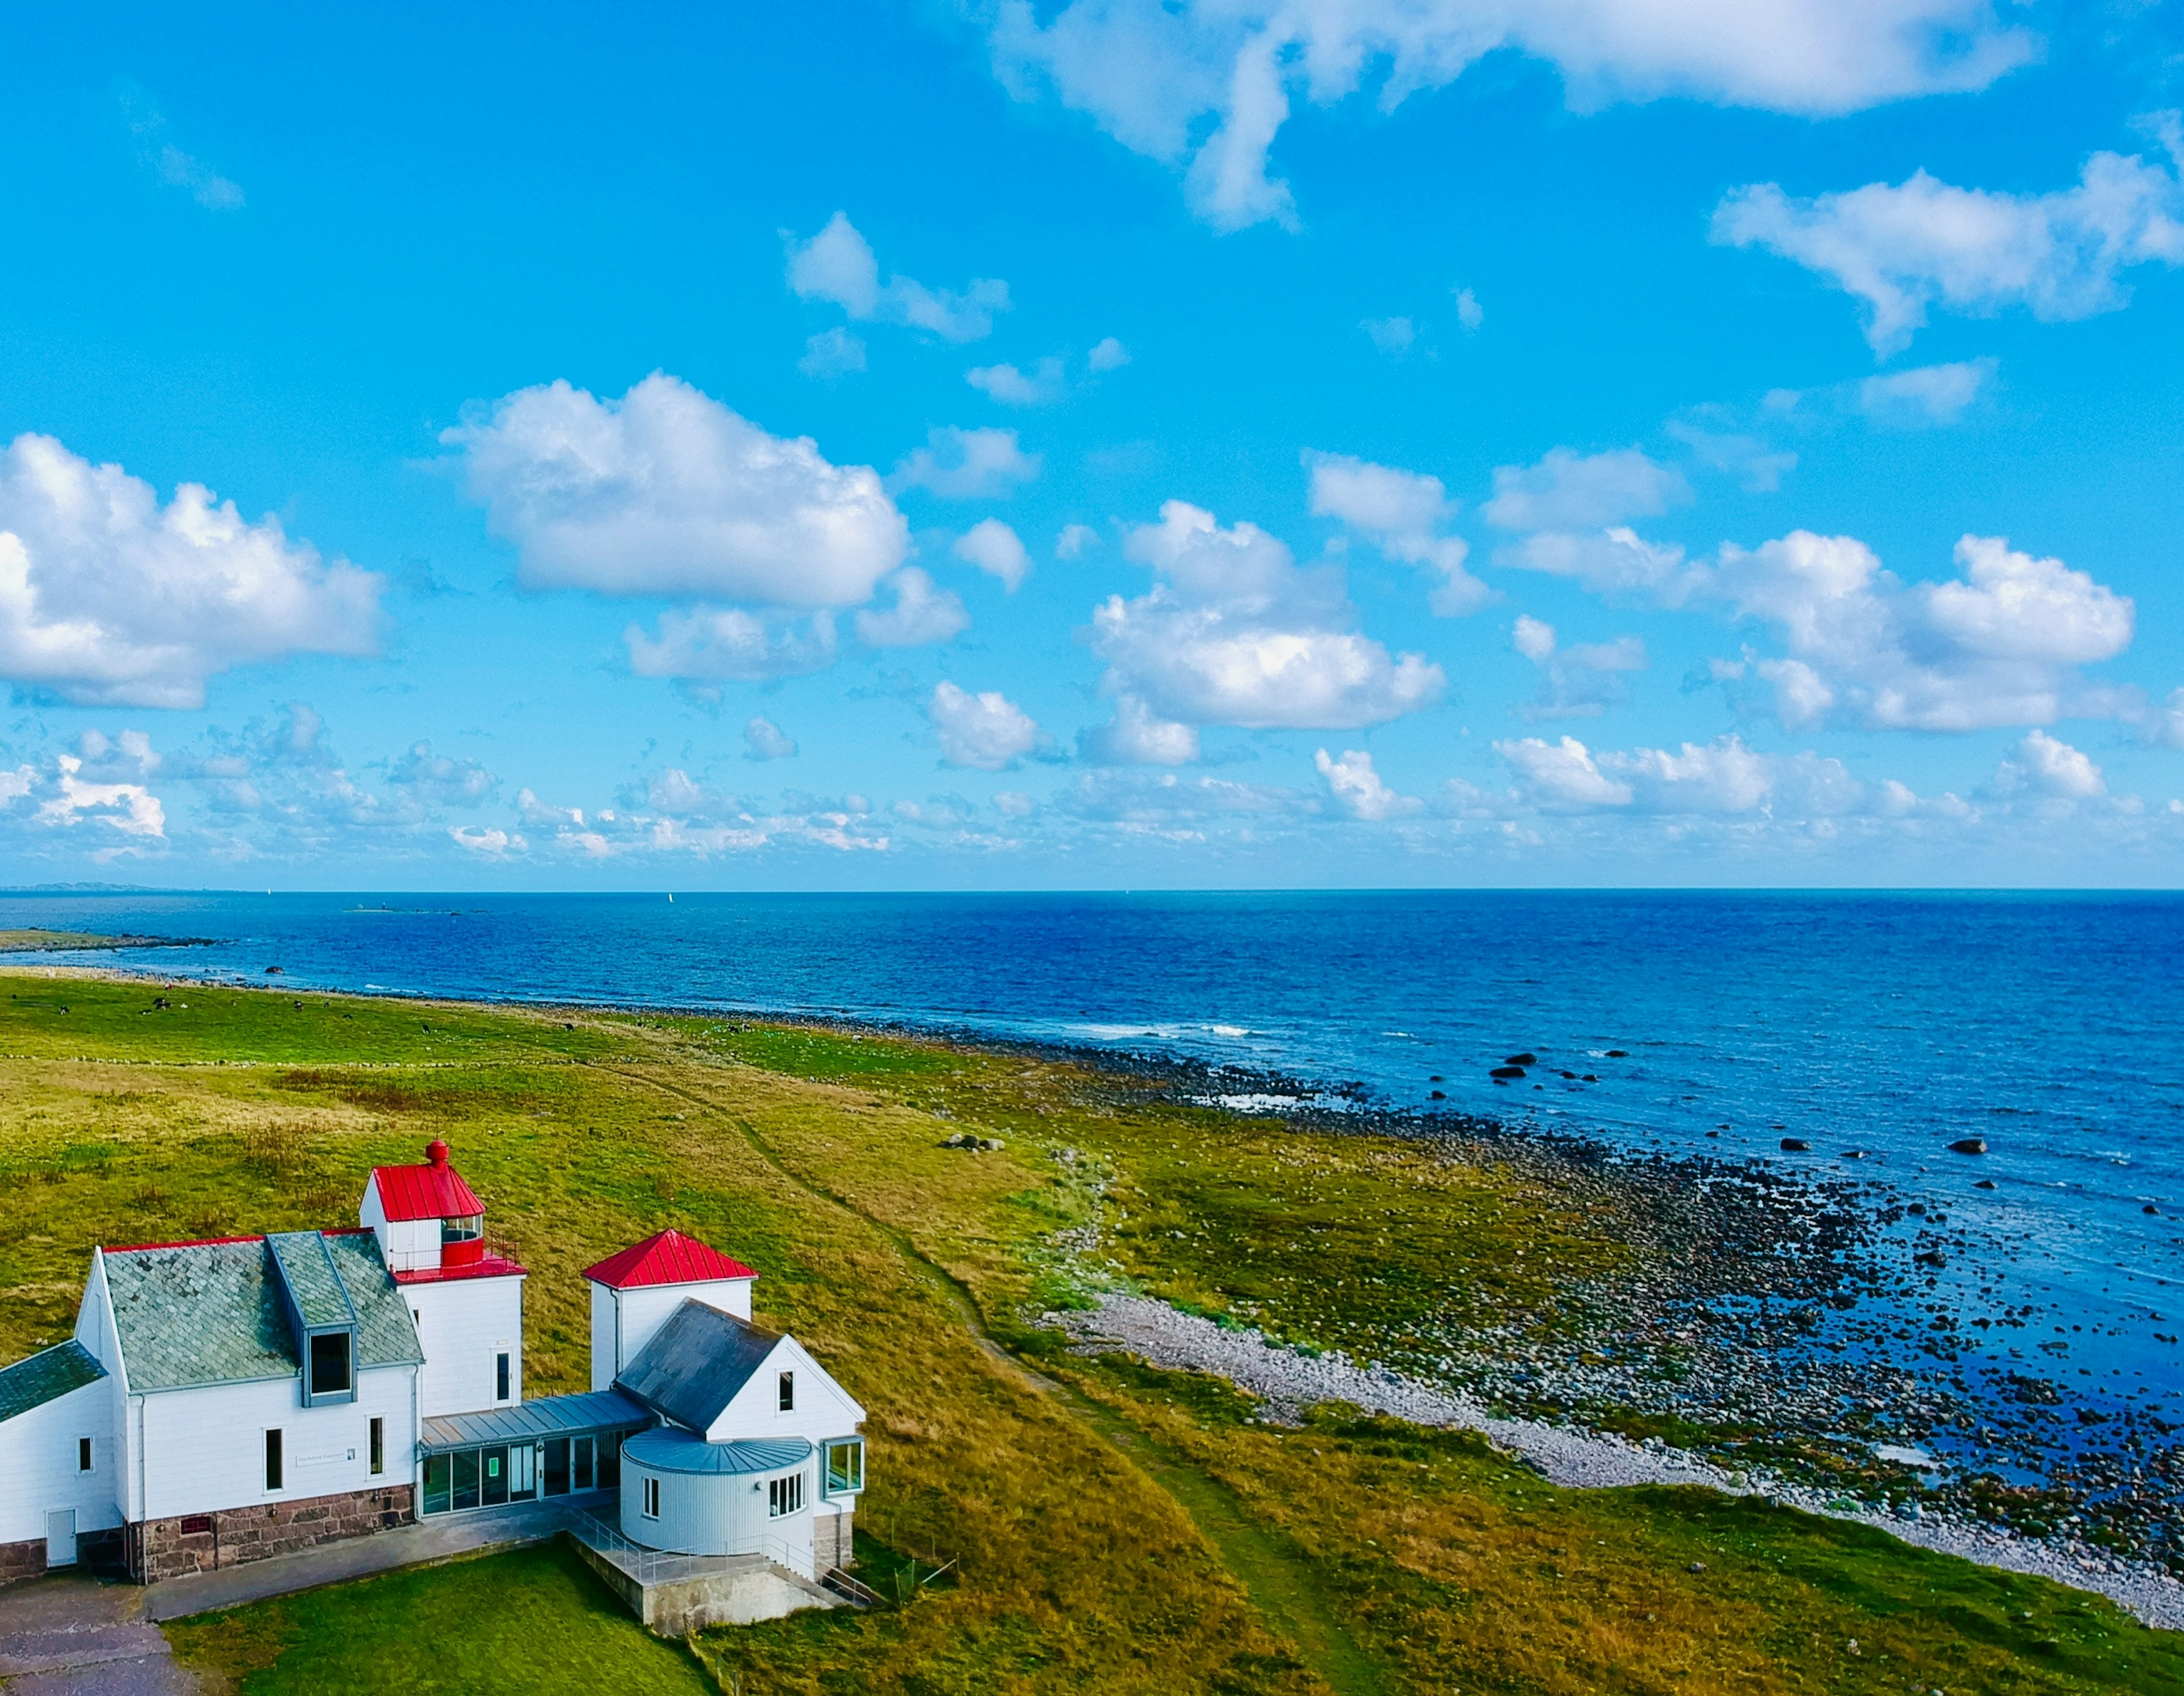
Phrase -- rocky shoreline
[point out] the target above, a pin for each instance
(1288, 1381)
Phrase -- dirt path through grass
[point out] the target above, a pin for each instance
(1280, 1586)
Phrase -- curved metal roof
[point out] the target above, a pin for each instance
(664, 1450)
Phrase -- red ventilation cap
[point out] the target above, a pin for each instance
(436, 1154)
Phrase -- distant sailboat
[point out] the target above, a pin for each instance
(670, 898)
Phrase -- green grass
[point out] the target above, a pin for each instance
(532, 1619)
(1122, 1529)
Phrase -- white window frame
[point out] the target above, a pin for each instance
(785, 1392)
(276, 1435)
(784, 1497)
(651, 1507)
(86, 1457)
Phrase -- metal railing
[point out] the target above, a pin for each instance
(661, 1566)
(853, 1590)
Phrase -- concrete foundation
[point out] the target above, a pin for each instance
(159, 1550)
(737, 1590)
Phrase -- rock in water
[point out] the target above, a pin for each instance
(1969, 1145)
(1510, 1071)
(1527, 1059)
(1984, 1183)
(1619, 1054)
(1796, 1145)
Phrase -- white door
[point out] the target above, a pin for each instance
(60, 1538)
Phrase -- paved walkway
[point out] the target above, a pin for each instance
(442, 1538)
(67, 1634)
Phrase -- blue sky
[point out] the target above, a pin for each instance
(1396, 442)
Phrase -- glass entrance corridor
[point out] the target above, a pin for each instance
(492, 1474)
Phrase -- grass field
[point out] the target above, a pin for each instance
(1116, 1528)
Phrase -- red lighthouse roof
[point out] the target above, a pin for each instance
(433, 1191)
(669, 1257)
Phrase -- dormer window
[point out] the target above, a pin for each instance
(331, 1371)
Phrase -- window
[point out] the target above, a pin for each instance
(462, 1230)
(273, 1460)
(582, 1453)
(329, 1364)
(609, 1463)
(652, 1498)
(844, 1459)
(496, 1475)
(467, 1479)
(789, 1393)
(500, 1376)
(557, 1466)
(83, 1454)
(438, 1469)
(784, 1495)
(378, 1446)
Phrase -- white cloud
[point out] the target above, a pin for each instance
(966, 465)
(537, 814)
(987, 732)
(1233, 633)
(1615, 560)
(1998, 646)
(1107, 355)
(442, 778)
(1578, 683)
(1358, 789)
(1469, 312)
(922, 613)
(1904, 249)
(724, 644)
(1400, 511)
(170, 164)
(2050, 768)
(107, 597)
(1136, 736)
(1393, 336)
(667, 491)
(1041, 387)
(996, 550)
(1722, 778)
(832, 354)
(1561, 777)
(1073, 540)
(490, 843)
(1753, 462)
(838, 265)
(763, 740)
(1568, 491)
(1205, 84)
(1927, 395)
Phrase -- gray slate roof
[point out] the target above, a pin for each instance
(695, 1363)
(542, 1416)
(211, 1312)
(306, 1266)
(46, 1376)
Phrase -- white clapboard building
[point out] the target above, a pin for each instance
(225, 1401)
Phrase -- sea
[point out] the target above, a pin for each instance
(1877, 1029)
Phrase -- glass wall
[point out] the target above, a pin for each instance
(494, 1474)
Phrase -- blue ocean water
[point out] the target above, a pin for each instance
(2046, 1024)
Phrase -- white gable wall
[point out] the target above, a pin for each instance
(408, 1245)
(626, 1320)
(204, 1450)
(823, 1407)
(95, 1330)
(38, 1470)
(463, 1323)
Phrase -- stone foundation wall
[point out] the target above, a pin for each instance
(201, 1542)
(833, 1541)
(22, 1559)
